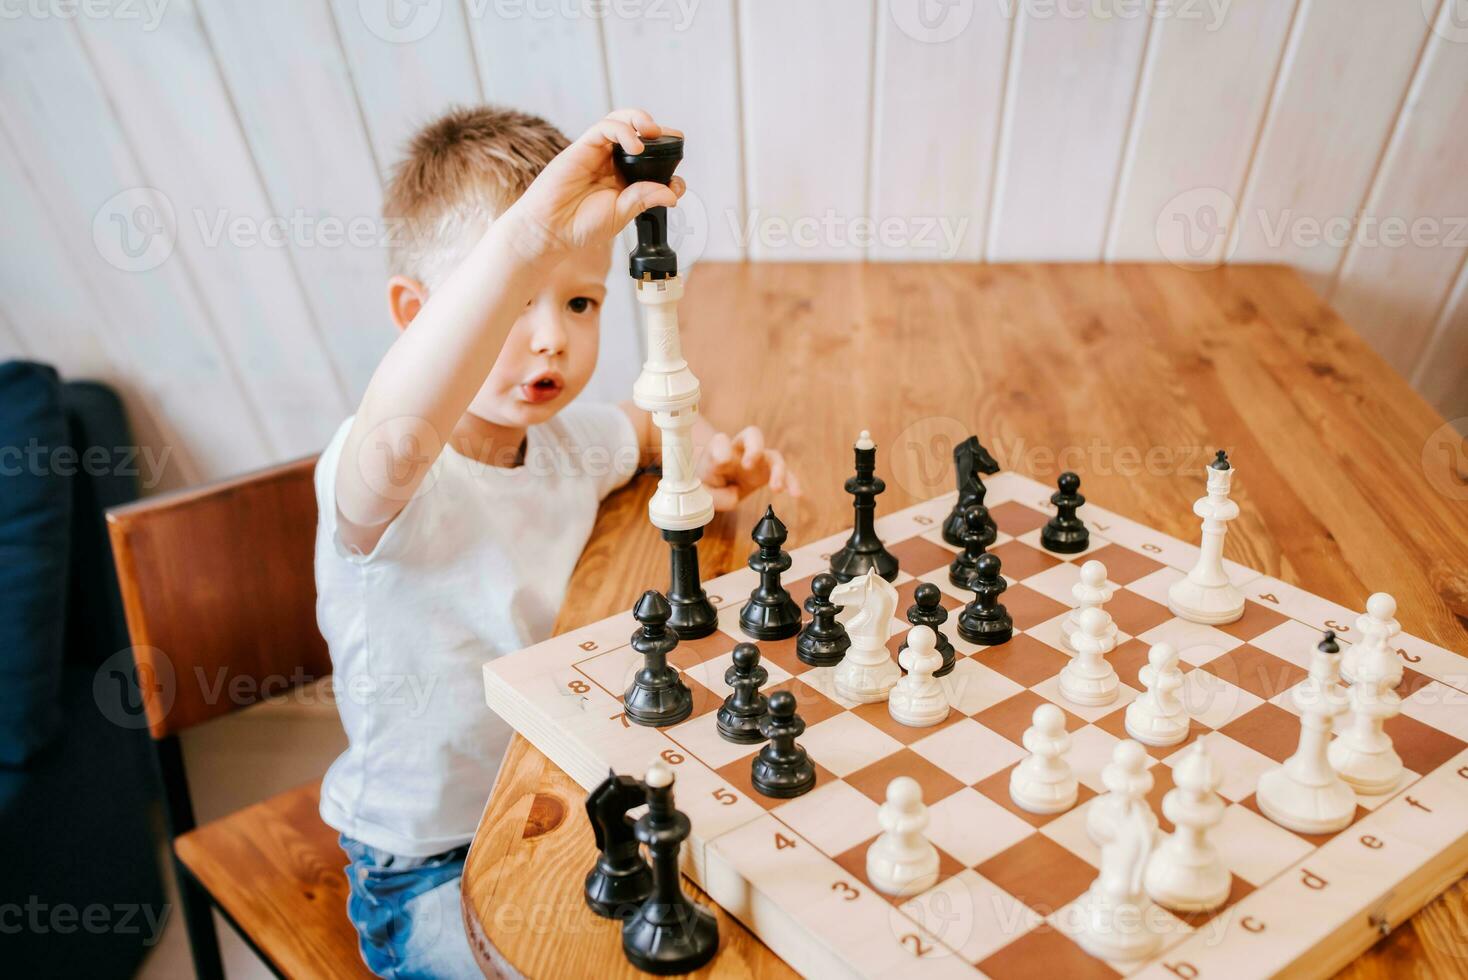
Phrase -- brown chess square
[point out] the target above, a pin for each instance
(1133, 613)
(1024, 660)
(781, 653)
(1123, 565)
(800, 588)
(996, 788)
(690, 653)
(1239, 889)
(1040, 873)
(1422, 747)
(704, 700)
(1015, 518)
(936, 782)
(1261, 674)
(878, 716)
(1316, 840)
(1019, 561)
(811, 705)
(1028, 608)
(918, 556)
(1130, 657)
(1268, 729)
(1014, 714)
(1412, 682)
(1115, 724)
(1045, 952)
(1257, 620)
(740, 776)
(854, 862)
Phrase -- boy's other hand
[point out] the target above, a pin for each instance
(734, 468)
(579, 199)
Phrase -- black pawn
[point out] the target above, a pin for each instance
(669, 934)
(927, 610)
(739, 716)
(782, 769)
(621, 879)
(984, 621)
(1065, 533)
(978, 533)
(970, 459)
(823, 642)
(864, 550)
(770, 613)
(657, 695)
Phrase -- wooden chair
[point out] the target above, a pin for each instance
(221, 578)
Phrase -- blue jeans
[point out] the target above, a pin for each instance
(407, 914)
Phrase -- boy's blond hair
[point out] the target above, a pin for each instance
(462, 170)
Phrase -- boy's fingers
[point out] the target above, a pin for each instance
(645, 124)
(720, 450)
(725, 498)
(777, 468)
(753, 441)
(679, 187)
(615, 131)
(639, 197)
(792, 484)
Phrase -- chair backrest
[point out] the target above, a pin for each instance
(220, 592)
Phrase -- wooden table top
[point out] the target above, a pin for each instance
(1348, 483)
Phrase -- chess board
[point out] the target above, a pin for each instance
(794, 870)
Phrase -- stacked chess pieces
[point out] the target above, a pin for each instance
(663, 931)
(667, 389)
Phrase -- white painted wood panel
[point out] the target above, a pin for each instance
(1442, 374)
(652, 61)
(806, 73)
(172, 104)
(408, 71)
(1069, 95)
(936, 129)
(541, 57)
(58, 120)
(11, 347)
(289, 83)
(1397, 273)
(1341, 84)
(1206, 83)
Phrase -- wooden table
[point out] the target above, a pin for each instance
(1128, 374)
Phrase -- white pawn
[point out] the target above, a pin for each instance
(1127, 783)
(1043, 781)
(1185, 872)
(902, 861)
(1090, 592)
(918, 700)
(1363, 755)
(1113, 923)
(1158, 717)
(1378, 627)
(1305, 794)
(1089, 679)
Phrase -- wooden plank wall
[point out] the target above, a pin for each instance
(135, 136)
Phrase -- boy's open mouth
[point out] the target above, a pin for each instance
(542, 388)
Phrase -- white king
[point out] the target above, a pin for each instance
(668, 390)
(1206, 595)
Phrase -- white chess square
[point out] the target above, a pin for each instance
(835, 817)
(1240, 765)
(1049, 689)
(1292, 641)
(845, 743)
(1052, 631)
(936, 536)
(973, 828)
(701, 739)
(971, 915)
(972, 687)
(1068, 918)
(1444, 708)
(1154, 585)
(1212, 701)
(710, 674)
(1095, 543)
(614, 671)
(968, 750)
(1069, 831)
(1195, 643)
(1253, 847)
(823, 679)
(1056, 582)
(1090, 752)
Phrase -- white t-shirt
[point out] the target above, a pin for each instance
(474, 567)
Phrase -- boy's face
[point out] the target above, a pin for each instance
(550, 353)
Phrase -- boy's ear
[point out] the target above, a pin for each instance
(405, 297)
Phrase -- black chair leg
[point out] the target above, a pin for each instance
(198, 913)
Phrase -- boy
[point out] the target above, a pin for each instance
(455, 503)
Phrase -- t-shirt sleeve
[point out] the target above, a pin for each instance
(326, 465)
(605, 442)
